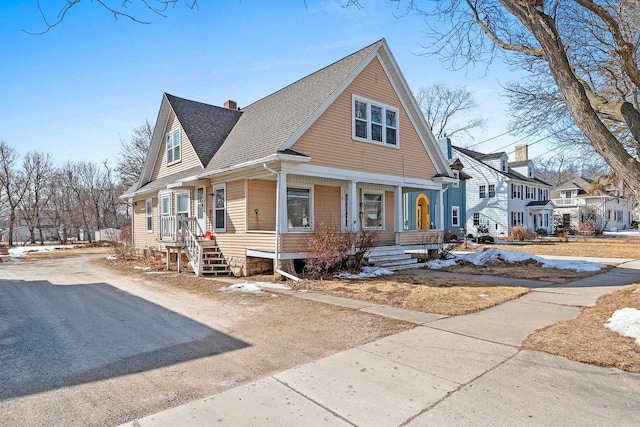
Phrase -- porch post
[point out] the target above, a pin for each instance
(397, 213)
(354, 203)
(440, 224)
(281, 210)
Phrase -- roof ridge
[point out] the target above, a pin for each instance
(315, 72)
(168, 95)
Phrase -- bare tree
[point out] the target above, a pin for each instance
(133, 10)
(444, 109)
(40, 168)
(133, 153)
(588, 48)
(13, 184)
(561, 167)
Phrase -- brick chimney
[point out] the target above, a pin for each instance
(231, 105)
(522, 152)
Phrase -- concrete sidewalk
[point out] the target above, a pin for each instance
(463, 370)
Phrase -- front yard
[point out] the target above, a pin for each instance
(609, 247)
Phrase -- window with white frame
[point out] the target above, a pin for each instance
(503, 165)
(492, 190)
(182, 204)
(456, 175)
(455, 216)
(482, 191)
(165, 203)
(219, 209)
(149, 214)
(375, 122)
(373, 210)
(618, 216)
(476, 218)
(299, 208)
(173, 147)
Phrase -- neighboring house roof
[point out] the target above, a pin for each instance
(583, 185)
(207, 126)
(540, 203)
(520, 163)
(511, 174)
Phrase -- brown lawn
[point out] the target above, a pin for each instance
(610, 247)
(524, 270)
(420, 292)
(585, 339)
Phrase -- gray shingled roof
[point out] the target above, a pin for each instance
(520, 163)
(268, 123)
(207, 126)
(509, 174)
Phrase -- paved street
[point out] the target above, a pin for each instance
(464, 370)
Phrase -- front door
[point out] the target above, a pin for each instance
(201, 216)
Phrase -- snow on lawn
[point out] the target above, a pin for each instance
(19, 251)
(626, 322)
(367, 273)
(254, 287)
(492, 255)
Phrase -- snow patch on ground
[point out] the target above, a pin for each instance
(19, 251)
(625, 233)
(626, 322)
(112, 257)
(367, 273)
(254, 287)
(492, 256)
(137, 267)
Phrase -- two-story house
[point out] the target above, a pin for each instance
(341, 146)
(503, 195)
(576, 197)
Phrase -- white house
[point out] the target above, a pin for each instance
(575, 198)
(503, 195)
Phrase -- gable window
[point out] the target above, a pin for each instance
(503, 165)
(299, 208)
(483, 191)
(492, 190)
(456, 175)
(567, 194)
(373, 205)
(375, 122)
(173, 147)
(530, 171)
(149, 215)
(219, 207)
(455, 216)
(476, 218)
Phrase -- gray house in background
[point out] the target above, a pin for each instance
(421, 207)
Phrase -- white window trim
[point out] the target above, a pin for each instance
(148, 202)
(384, 216)
(175, 201)
(161, 197)
(385, 107)
(455, 208)
(166, 148)
(224, 188)
(456, 175)
(308, 229)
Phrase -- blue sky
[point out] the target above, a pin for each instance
(77, 90)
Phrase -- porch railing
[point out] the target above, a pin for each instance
(568, 202)
(192, 247)
(168, 228)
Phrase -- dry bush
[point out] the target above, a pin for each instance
(330, 249)
(586, 229)
(123, 250)
(521, 234)
(563, 235)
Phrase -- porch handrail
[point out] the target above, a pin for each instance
(192, 247)
(168, 229)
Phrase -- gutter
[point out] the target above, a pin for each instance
(277, 249)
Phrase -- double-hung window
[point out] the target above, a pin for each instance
(476, 218)
(375, 122)
(149, 215)
(219, 207)
(165, 201)
(173, 147)
(373, 205)
(182, 204)
(482, 191)
(492, 190)
(455, 216)
(298, 208)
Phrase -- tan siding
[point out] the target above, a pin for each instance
(294, 242)
(233, 241)
(262, 196)
(328, 141)
(387, 236)
(326, 205)
(141, 238)
(421, 237)
(188, 154)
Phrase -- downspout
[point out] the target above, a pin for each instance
(277, 249)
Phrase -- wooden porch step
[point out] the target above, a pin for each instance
(390, 257)
(393, 263)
